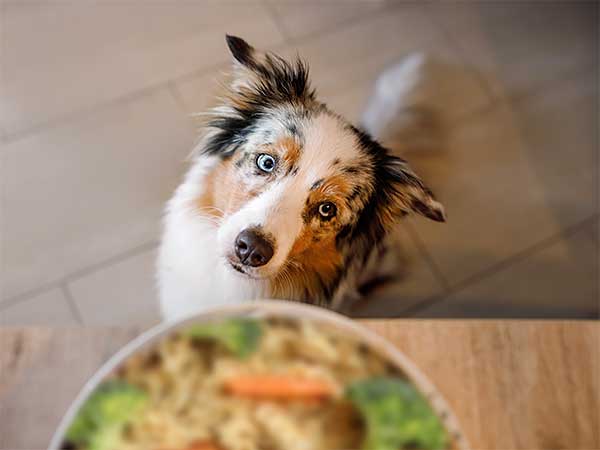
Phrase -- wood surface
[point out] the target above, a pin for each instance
(513, 384)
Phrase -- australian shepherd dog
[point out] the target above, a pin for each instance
(284, 198)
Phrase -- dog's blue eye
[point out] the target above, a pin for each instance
(327, 210)
(265, 162)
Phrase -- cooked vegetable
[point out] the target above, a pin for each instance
(396, 416)
(279, 387)
(301, 386)
(239, 336)
(204, 445)
(100, 420)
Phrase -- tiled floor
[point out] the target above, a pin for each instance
(94, 115)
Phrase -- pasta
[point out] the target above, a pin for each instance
(289, 392)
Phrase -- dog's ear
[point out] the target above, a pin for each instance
(267, 75)
(260, 81)
(404, 191)
(243, 53)
(249, 64)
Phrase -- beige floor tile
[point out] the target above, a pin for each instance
(560, 280)
(522, 45)
(453, 91)
(415, 282)
(560, 129)
(79, 194)
(199, 93)
(120, 294)
(48, 309)
(350, 103)
(495, 202)
(346, 63)
(61, 57)
(303, 19)
(357, 53)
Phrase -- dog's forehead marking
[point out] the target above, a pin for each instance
(327, 143)
(320, 147)
(271, 127)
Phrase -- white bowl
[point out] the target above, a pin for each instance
(284, 309)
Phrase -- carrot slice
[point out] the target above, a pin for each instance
(204, 445)
(278, 387)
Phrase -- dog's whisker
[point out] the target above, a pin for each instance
(209, 209)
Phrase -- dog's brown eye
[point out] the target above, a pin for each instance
(327, 210)
(265, 162)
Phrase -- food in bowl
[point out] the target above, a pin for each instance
(256, 384)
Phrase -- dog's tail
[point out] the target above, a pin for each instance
(405, 110)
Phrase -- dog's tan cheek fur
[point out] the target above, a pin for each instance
(313, 260)
(315, 249)
(205, 203)
(225, 192)
(314, 257)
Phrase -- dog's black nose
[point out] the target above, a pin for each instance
(252, 248)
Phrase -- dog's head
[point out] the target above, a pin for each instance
(298, 189)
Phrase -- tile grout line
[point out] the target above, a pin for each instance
(178, 99)
(71, 302)
(422, 248)
(482, 79)
(447, 35)
(76, 275)
(24, 296)
(314, 36)
(135, 251)
(169, 84)
(496, 100)
(62, 283)
(501, 265)
(279, 24)
(83, 112)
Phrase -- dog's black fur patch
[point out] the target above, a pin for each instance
(276, 82)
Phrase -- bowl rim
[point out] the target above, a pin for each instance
(263, 309)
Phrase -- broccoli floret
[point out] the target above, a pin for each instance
(239, 336)
(108, 438)
(396, 416)
(101, 419)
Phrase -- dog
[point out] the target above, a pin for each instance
(284, 198)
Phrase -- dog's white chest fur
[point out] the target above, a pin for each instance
(191, 273)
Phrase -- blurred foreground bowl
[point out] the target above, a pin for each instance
(263, 309)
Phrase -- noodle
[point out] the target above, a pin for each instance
(187, 404)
